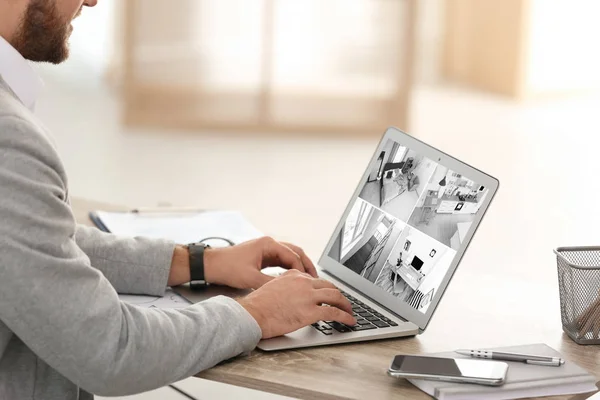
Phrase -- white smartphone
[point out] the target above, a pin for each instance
(483, 372)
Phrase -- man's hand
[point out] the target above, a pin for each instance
(240, 266)
(295, 300)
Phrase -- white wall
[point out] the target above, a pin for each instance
(561, 45)
(433, 183)
(424, 171)
(429, 41)
(562, 49)
(421, 246)
(398, 247)
(93, 41)
(96, 40)
(435, 277)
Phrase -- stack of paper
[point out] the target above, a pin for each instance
(181, 227)
(523, 380)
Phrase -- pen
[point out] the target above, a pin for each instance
(526, 358)
(166, 210)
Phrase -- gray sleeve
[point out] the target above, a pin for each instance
(68, 313)
(131, 265)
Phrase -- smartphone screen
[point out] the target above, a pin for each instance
(449, 367)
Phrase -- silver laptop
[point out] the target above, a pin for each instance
(397, 244)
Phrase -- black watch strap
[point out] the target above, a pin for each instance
(196, 251)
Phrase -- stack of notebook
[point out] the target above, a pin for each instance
(523, 380)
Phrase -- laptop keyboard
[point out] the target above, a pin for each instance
(366, 319)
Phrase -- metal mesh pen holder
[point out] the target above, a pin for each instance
(579, 286)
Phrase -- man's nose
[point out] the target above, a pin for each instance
(90, 3)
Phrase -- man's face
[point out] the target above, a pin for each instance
(45, 29)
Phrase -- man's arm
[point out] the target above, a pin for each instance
(135, 265)
(68, 313)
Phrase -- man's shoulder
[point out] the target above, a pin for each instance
(17, 122)
(13, 114)
(9, 103)
(23, 141)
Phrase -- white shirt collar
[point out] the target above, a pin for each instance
(19, 75)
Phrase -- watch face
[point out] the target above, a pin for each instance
(199, 244)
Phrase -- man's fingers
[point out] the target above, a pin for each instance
(306, 261)
(333, 297)
(335, 314)
(323, 284)
(278, 255)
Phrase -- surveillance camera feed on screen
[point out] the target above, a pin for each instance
(407, 224)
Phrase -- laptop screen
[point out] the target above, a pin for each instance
(407, 224)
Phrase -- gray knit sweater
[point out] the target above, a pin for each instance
(64, 334)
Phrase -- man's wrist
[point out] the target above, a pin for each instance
(180, 266)
(209, 265)
(254, 313)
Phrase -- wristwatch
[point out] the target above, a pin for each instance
(196, 251)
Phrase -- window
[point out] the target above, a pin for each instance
(400, 153)
(355, 225)
(287, 64)
(380, 232)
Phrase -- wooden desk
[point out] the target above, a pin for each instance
(500, 310)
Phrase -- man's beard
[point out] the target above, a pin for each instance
(43, 35)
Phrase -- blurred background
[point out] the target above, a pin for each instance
(274, 107)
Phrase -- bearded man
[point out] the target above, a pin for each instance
(64, 333)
